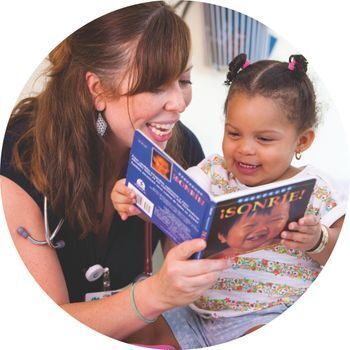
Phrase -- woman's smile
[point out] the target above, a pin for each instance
(160, 132)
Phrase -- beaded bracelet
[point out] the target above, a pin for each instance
(137, 311)
(322, 242)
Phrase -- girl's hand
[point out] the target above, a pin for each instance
(181, 281)
(123, 199)
(303, 235)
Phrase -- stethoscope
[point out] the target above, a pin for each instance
(94, 272)
(49, 237)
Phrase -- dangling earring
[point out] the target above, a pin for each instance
(101, 124)
(297, 155)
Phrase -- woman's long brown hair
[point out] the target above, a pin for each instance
(60, 151)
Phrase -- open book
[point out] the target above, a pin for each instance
(232, 224)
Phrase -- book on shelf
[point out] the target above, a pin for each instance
(232, 224)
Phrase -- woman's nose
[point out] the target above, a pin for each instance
(176, 100)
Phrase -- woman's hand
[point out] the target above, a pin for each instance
(181, 281)
(124, 199)
(303, 235)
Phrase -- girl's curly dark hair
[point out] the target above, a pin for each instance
(290, 88)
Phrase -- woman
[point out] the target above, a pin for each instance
(70, 144)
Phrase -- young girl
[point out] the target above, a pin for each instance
(270, 118)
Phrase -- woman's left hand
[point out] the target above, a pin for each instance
(303, 235)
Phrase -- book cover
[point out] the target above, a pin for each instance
(232, 224)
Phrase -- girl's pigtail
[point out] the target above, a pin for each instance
(238, 63)
(298, 63)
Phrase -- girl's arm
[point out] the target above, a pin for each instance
(179, 281)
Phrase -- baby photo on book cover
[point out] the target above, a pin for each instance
(251, 230)
(161, 165)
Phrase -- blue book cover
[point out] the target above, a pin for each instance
(232, 224)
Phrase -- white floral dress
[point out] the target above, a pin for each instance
(270, 276)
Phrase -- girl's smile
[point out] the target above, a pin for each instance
(247, 169)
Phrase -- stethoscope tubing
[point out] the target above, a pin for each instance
(25, 234)
(48, 236)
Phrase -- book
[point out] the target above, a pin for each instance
(232, 224)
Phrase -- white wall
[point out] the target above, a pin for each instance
(205, 114)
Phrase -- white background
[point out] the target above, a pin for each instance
(30, 29)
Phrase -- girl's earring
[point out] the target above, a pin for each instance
(101, 125)
(297, 155)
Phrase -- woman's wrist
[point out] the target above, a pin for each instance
(146, 300)
(135, 307)
(157, 295)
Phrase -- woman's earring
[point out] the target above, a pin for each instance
(297, 155)
(101, 125)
